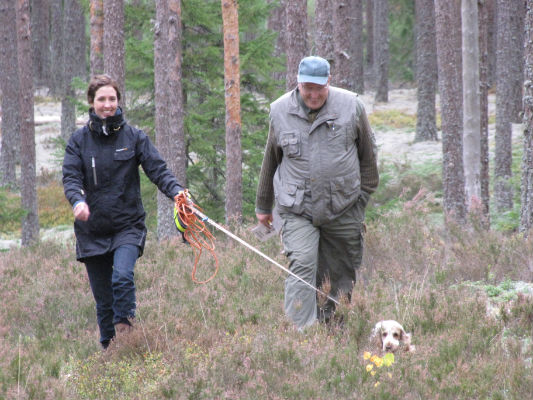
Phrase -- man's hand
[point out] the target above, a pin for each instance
(81, 211)
(265, 219)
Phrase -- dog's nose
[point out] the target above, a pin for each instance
(388, 347)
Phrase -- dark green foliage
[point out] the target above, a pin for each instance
(402, 40)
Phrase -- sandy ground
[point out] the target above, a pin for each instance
(395, 145)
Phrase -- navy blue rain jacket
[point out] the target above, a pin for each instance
(103, 170)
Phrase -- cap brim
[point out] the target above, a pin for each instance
(319, 80)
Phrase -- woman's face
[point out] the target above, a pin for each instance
(105, 101)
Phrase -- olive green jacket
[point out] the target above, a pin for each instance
(317, 166)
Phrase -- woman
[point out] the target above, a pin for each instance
(101, 182)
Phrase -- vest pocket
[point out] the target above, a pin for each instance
(288, 195)
(344, 192)
(290, 143)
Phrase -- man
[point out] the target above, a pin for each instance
(320, 166)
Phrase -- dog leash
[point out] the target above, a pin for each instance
(195, 219)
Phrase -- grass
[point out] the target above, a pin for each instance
(229, 338)
(463, 293)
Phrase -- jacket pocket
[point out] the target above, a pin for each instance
(345, 191)
(123, 154)
(291, 144)
(337, 137)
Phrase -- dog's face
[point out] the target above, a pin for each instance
(390, 335)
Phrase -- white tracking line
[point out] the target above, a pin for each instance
(204, 217)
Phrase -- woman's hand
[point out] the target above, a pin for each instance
(81, 211)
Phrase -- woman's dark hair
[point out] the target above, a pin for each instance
(99, 81)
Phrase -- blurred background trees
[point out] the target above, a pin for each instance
(372, 46)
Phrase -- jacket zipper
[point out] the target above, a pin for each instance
(94, 171)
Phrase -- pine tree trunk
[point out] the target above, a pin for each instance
(471, 106)
(448, 23)
(518, 10)
(348, 44)
(170, 135)
(484, 37)
(276, 23)
(526, 212)
(503, 192)
(56, 47)
(230, 20)
(40, 23)
(28, 181)
(114, 44)
(97, 37)
(381, 49)
(9, 88)
(369, 29)
(324, 34)
(73, 58)
(296, 39)
(426, 70)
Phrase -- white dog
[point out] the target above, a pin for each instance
(390, 336)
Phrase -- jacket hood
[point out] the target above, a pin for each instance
(107, 126)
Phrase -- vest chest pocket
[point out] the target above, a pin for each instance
(291, 144)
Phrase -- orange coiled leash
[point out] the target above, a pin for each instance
(194, 231)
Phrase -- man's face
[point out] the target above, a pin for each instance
(314, 95)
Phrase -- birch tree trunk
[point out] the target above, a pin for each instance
(232, 90)
(526, 211)
(296, 38)
(426, 70)
(381, 49)
(471, 105)
(28, 181)
(97, 37)
(9, 88)
(448, 28)
(114, 44)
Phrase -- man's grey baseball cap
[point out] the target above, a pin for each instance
(313, 69)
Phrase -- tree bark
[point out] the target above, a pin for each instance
(381, 49)
(517, 58)
(28, 187)
(114, 44)
(503, 192)
(369, 28)
(448, 23)
(526, 211)
(9, 88)
(73, 64)
(324, 34)
(56, 47)
(40, 23)
(296, 39)
(348, 45)
(232, 90)
(97, 37)
(276, 23)
(426, 71)
(471, 104)
(484, 85)
(170, 136)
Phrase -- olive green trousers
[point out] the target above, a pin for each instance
(324, 256)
